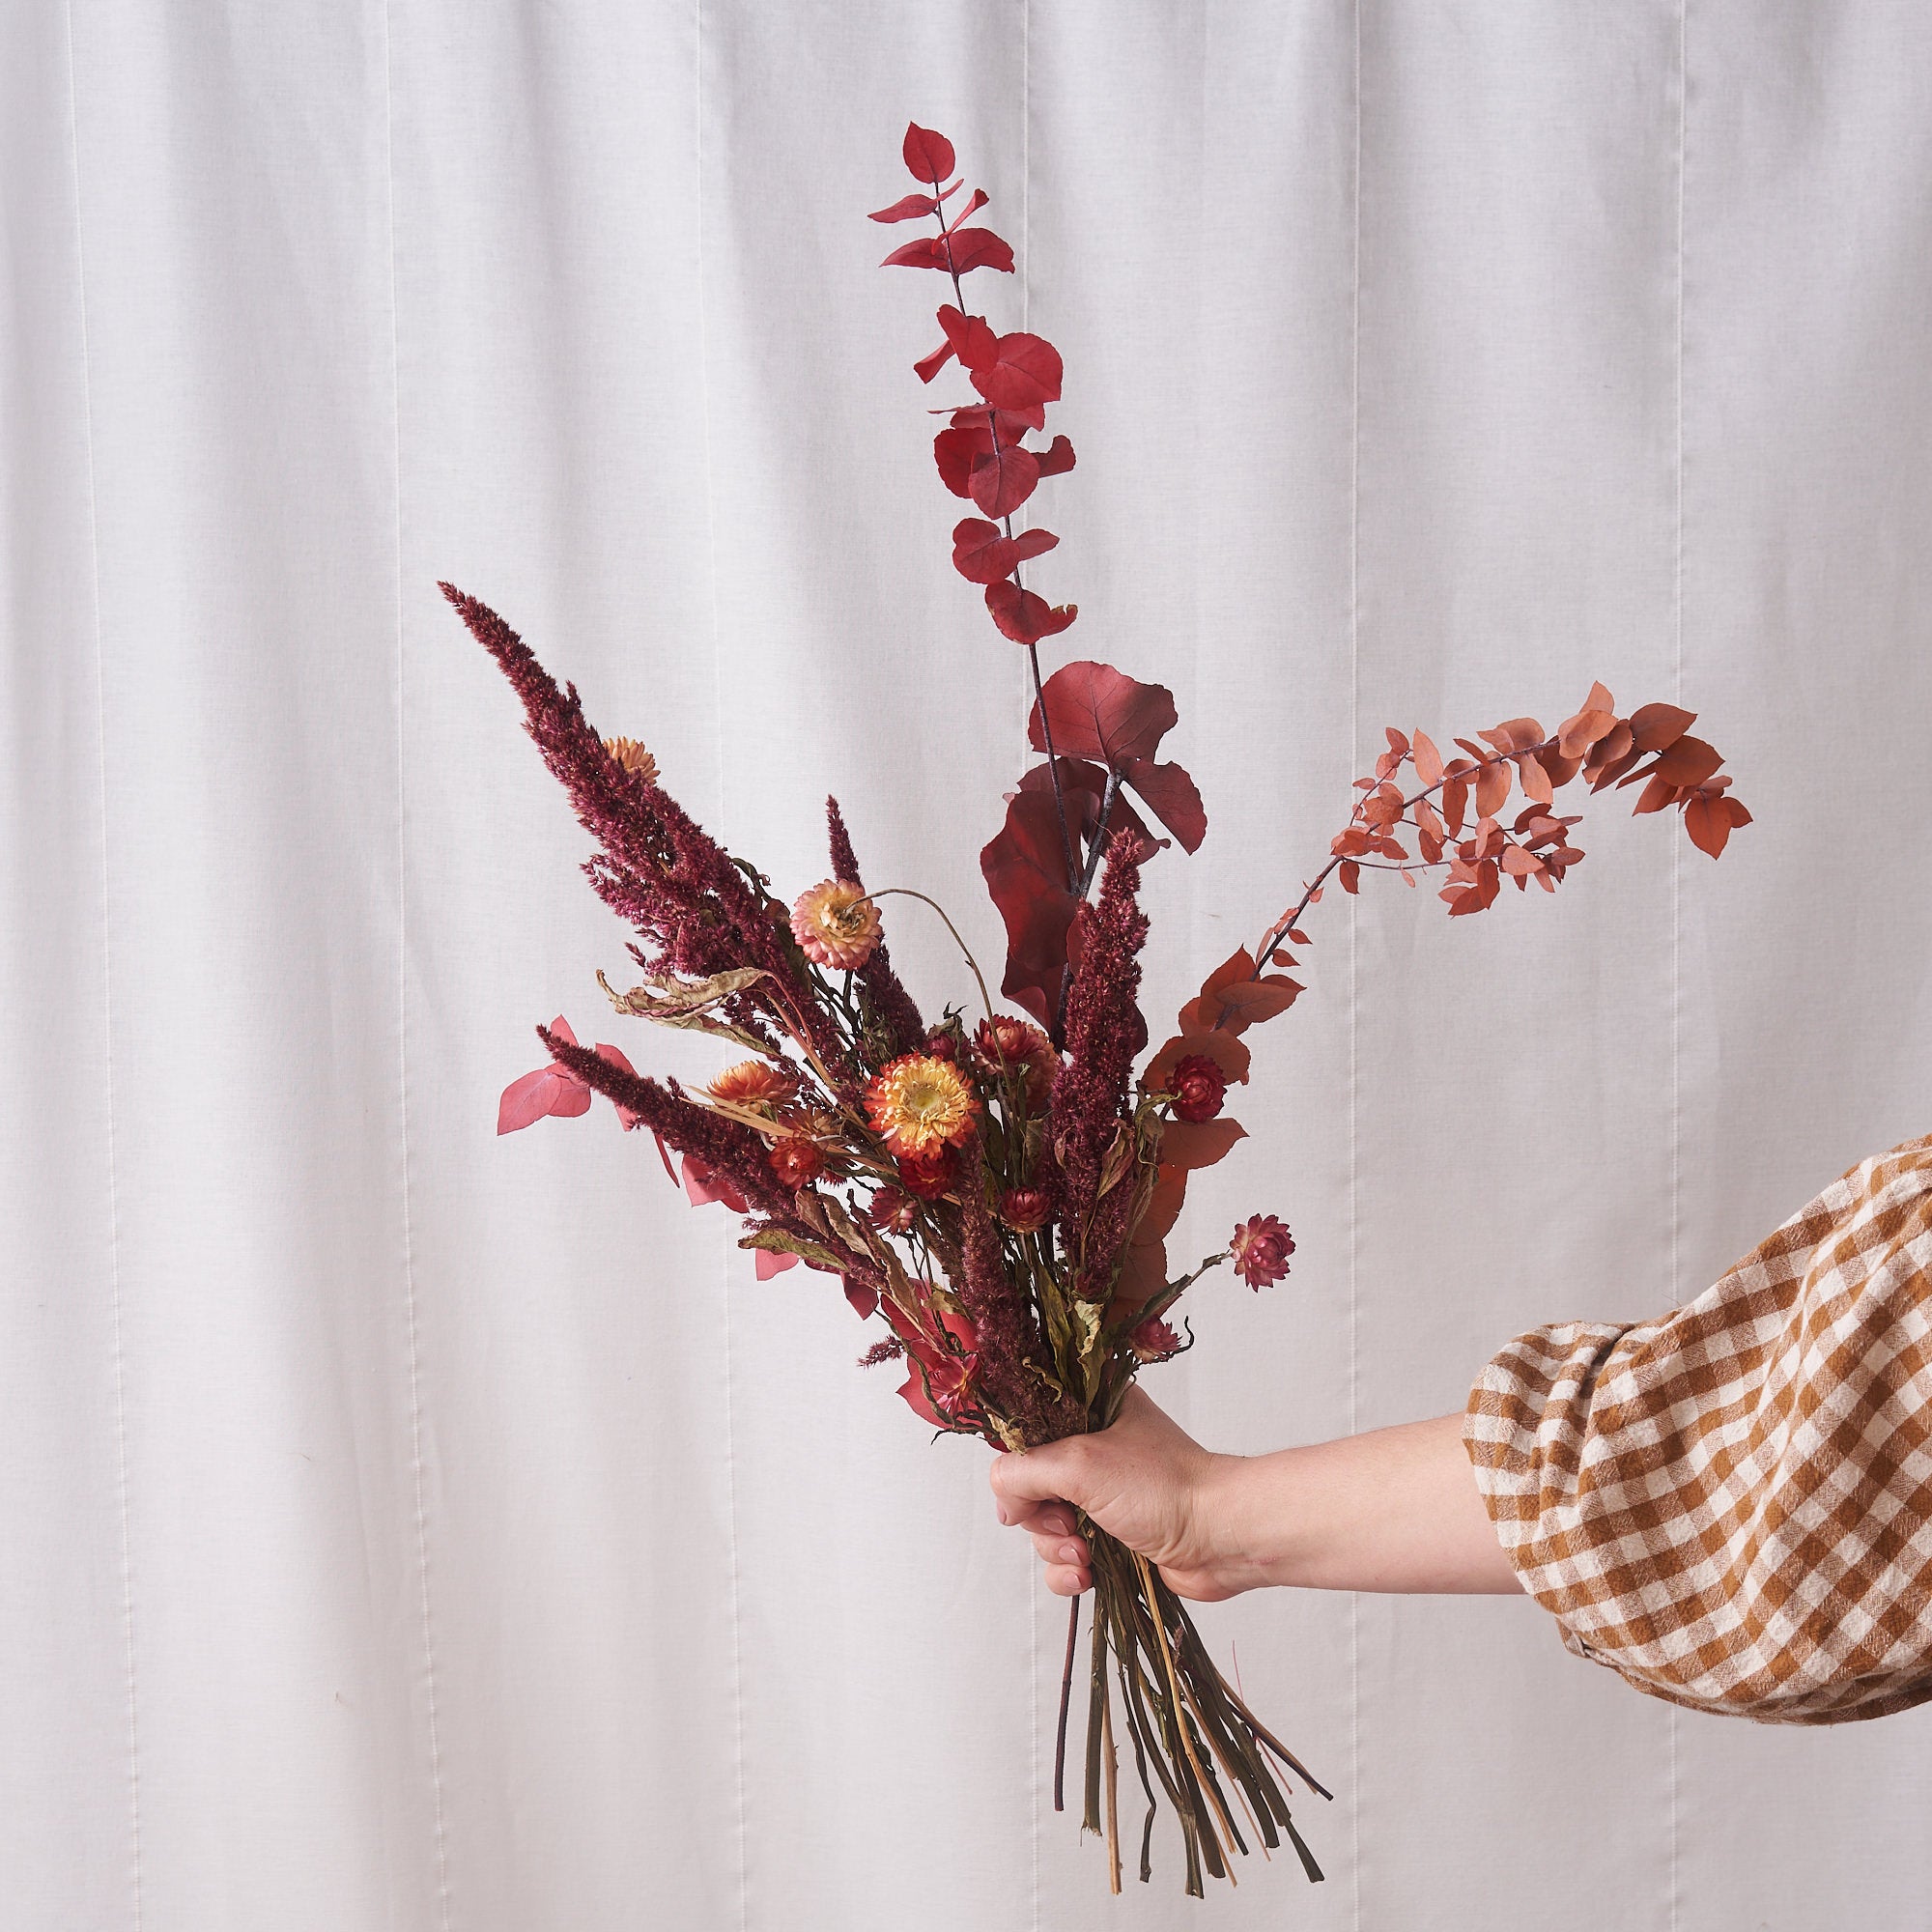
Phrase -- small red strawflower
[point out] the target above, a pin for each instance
(1199, 1087)
(1261, 1248)
(1152, 1340)
(892, 1209)
(1025, 1209)
(928, 1175)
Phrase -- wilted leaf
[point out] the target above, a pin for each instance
(1249, 1002)
(779, 1241)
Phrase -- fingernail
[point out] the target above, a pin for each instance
(1073, 1553)
(1000, 1510)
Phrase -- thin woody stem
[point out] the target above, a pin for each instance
(1066, 1698)
(1033, 649)
(1291, 920)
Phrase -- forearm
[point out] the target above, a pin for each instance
(1396, 1509)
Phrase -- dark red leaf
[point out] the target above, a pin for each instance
(978, 201)
(1025, 374)
(929, 156)
(1192, 1144)
(979, 248)
(1349, 875)
(1056, 458)
(1025, 617)
(1025, 868)
(972, 341)
(1172, 799)
(928, 367)
(982, 553)
(955, 451)
(925, 254)
(1002, 480)
(908, 207)
(1097, 712)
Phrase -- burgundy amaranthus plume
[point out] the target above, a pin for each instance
(883, 986)
(1091, 1107)
(657, 868)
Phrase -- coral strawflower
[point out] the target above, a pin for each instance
(837, 924)
(1199, 1087)
(920, 1104)
(1261, 1248)
(1010, 1045)
(1153, 1340)
(754, 1083)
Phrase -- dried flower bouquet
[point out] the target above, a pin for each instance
(997, 1191)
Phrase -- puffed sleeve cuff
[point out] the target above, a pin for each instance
(1732, 1506)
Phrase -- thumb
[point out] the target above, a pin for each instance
(1025, 1478)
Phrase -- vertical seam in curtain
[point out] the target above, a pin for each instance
(1676, 855)
(718, 739)
(119, 1339)
(1355, 1177)
(1025, 323)
(412, 1333)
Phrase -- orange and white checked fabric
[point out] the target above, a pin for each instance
(1732, 1506)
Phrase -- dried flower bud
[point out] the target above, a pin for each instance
(1153, 1341)
(634, 758)
(942, 1043)
(1007, 1045)
(1025, 1209)
(890, 1349)
(892, 1209)
(1261, 1248)
(837, 924)
(796, 1161)
(1199, 1087)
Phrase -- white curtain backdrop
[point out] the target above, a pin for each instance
(407, 1528)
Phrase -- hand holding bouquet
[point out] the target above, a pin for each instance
(995, 1189)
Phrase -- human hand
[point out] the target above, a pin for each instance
(1146, 1482)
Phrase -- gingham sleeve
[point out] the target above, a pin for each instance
(1732, 1506)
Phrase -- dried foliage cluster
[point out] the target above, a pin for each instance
(996, 1190)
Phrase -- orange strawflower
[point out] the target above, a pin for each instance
(837, 924)
(920, 1104)
(754, 1083)
(634, 758)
